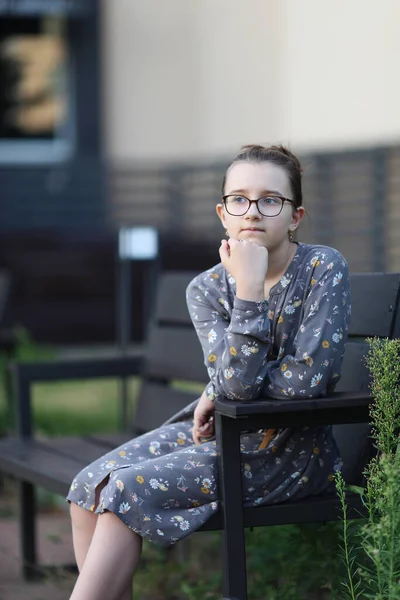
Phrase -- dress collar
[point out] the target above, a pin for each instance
(293, 266)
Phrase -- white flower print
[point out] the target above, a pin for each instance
(123, 508)
(337, 279)
(290, 309)
(184, 525)
(336, 337)
(288, 374)
(154, 447)
(245, 350)
(212, 336)
(316, 380)
(153, 483)
(314, 261)
(181, 435)
(284, 281)
(160, 532)
(206, 483)
(313, 309)
(228, 373)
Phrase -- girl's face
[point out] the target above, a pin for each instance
(256, 180)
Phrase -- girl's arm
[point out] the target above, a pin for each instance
(236, 346)
(313, 369)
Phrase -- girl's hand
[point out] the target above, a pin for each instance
(247, 262)
(203, 426)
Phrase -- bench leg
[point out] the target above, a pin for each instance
(27, 503)
(230, 490)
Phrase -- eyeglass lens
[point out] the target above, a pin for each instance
(269, 206)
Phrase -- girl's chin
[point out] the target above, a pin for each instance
(254, 237)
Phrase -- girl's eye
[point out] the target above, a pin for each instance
(238, 199)
(270, 201)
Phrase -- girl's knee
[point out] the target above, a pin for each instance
(80, 516)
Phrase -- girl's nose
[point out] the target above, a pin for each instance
(253, 211)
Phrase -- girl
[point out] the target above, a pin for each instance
(272, 318)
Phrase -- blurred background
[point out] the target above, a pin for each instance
(126, 113)
(120, 114)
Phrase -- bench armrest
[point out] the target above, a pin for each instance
(339, 407)
(25, 374)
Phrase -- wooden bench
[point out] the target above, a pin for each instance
(174, 353)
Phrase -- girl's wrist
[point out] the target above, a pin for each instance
(251, 293)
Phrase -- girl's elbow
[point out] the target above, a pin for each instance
(235, 390)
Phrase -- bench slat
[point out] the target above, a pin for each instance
(35, 464)
(80, 449)
(374, 295)
(175, 353)
(158, 403)
(109, 441)
(171, 298)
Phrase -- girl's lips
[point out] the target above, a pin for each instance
(252, 229)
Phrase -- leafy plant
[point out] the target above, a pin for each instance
(373, 561)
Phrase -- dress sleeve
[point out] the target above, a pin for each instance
(313, 368)
(235, 346)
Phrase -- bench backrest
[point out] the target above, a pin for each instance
(174, 353)
(375, 308)
(173, 356)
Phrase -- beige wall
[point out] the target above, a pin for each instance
(340, 83)
(196, 78)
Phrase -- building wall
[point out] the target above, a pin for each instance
(184, 79)
(196, 79)
(339, 83)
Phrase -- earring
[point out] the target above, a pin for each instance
(226, 233)
(291, 235)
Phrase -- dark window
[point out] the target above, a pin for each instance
(35, 89)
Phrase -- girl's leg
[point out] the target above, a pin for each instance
(83, 526)
(111, 561)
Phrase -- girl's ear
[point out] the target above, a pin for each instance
(297, 216)
(221, 213)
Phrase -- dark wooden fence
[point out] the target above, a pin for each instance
(58, 230)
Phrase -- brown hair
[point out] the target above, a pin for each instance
(278, 155)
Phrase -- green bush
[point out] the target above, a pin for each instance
(372, 556)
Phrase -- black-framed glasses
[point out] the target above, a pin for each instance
(237, 205)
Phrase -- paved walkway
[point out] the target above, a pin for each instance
(55, 548)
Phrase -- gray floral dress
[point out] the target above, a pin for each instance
(163, 486)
